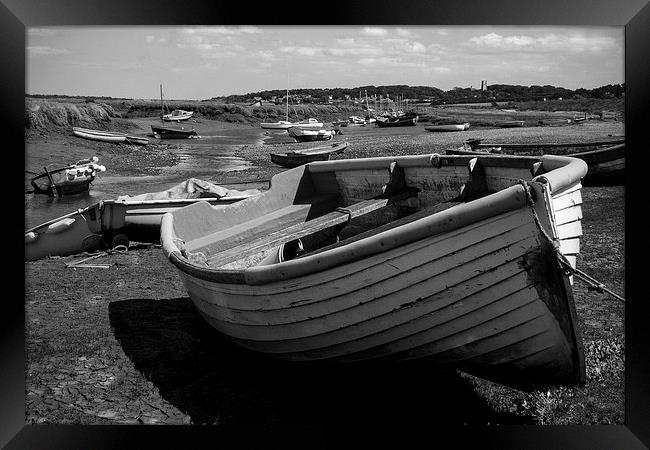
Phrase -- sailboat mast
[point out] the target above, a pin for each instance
(162, 111)
(287, 110)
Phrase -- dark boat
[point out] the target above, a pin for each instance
(605, 159)
(397, 122)
(67, 180)
(168, 132)
(299, 157)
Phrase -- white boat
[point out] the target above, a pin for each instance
(177, 115)
(107, 136)
(117, 221)
(301, 134)
(448, 127)
(457, 260)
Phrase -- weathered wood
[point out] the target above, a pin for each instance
(290, 231)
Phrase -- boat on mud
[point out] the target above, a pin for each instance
(171, 132)
(459, 260)
(109, 223)
(300, 134)
(403, 121)
(605, 159)
(106, 136)
(295, 158)
(448, 127)
(67, 180)
(511, 123)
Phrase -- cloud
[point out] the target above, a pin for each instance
(45, 50)
(43, 32)
(416, 47)
(374, 31)
(551, 42)
(222, 30)
(150, 39)
(302, 51)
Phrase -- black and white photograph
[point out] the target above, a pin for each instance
(341, 225)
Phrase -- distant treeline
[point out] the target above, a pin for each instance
(433, 95)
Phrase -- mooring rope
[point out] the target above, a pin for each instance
(597, 285)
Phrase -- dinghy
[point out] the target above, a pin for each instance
(118, 221)
(605, 159)
(301, 134)
(106, 136)
(458, 260)
(296, 158)
(67, 180)
(448, 127)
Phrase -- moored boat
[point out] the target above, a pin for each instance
(384, 122)
(117, 221)
(107, 136)
(605, 159)
(170, 132)
(301, 134)
(448, 127)
(70, 179)
(458, 260)
(511, 123)
(298, 157)
(177, 115)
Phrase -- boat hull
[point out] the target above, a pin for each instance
(297, 159)
(96, 135)
(476, 287)
(606, 166)
(173, 133)
(450, 127)
(308, 135)
(412, 121)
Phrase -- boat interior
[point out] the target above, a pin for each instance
(321, 206)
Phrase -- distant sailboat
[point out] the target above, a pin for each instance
(170, 132)
(286, 124)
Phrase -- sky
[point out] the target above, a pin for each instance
(196, 63)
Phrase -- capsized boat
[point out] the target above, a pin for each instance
(458, 260)
(294, 158)
(107, 136)
(448, 127)
(67, 180)
(301, 134)
(605, 158)
(113, 222)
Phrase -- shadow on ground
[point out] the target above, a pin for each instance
(213, 381)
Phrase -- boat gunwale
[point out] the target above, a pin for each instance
(563, 172)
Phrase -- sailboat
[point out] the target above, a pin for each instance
(171, 132)
(286, 124)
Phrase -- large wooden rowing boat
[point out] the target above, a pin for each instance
(113, 222)
(605, 159)
(452, 259)
(296, 158)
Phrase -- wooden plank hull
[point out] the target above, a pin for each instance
(476, 287)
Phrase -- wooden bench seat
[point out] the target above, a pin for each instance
(288, 232)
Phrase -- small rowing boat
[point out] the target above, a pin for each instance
(116, 222)
(448, 127)
(404, 121)
(511, 124)
(296, 158)
(459, 260)
(106, 136)
(71, 179)
(307, 135)
(605, 159)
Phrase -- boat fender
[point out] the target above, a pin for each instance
(30, 237)
(60, 226)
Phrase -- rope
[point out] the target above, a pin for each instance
(345, 211)
(569, 269)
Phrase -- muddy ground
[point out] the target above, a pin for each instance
(124, 344)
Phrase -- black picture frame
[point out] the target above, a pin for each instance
(17, 15)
